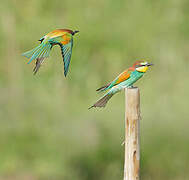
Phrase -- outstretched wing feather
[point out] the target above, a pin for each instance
(66, 55)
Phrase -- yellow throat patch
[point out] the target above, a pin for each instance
(142, 69)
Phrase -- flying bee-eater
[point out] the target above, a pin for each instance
(61, 37)
(126, 79)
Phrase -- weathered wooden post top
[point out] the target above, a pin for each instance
(132, 134)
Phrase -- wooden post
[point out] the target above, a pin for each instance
(132, 134)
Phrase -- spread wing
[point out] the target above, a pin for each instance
(65, 42)
(66, 55)
(122, 77)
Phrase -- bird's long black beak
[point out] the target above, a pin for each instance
(75, 32)
(150, 64)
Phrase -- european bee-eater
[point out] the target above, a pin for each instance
(61, 37)
(124, 80)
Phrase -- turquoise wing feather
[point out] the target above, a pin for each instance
(41, 51)
(66, 50)
(66, 55)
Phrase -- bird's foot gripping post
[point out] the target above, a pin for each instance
(132, 126)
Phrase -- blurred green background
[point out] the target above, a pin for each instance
(46, 130)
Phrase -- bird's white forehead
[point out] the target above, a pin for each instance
(144, 63)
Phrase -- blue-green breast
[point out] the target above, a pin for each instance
(135, 75)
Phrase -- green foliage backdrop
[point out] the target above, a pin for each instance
(46, 130)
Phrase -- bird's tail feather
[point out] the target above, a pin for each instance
(103, 88)
(38, 63)
(102, 101)
(41, 51)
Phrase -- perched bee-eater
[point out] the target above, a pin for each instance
(61, 37)
(124, 80)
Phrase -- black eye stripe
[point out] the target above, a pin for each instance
(140, 65)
